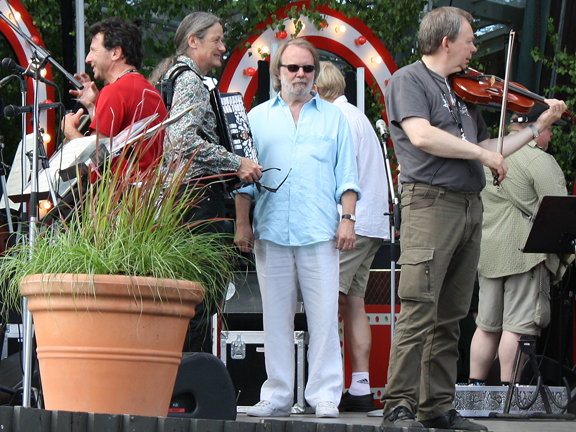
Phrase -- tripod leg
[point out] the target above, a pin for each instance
(541, 389)
(527, 344)
(512, 382)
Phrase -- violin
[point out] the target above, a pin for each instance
(475, 87)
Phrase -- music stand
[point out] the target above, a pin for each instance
(552, 231)
(553, 226)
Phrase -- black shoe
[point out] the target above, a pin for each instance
(400, 416)
(452, 420)
(353, 403)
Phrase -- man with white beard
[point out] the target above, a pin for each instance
(297, 232)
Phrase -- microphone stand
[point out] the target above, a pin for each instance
(26, 315)
(32, 231)
(41, 56)
(394, 224)
(24, 205)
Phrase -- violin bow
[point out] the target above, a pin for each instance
(505, 99)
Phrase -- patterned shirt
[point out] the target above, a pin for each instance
(194, 135)
(532, 174)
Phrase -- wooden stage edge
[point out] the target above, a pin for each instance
(19, 419)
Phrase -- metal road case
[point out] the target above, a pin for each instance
(243, 354)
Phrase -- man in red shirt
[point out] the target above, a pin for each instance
(115, 55)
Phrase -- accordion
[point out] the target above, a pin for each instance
(232, 121)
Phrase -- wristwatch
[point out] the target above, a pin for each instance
(349, 216)
(535, 132)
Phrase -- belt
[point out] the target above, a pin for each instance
(442, 191)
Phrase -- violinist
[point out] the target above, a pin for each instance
(514, 286)
(442, 144)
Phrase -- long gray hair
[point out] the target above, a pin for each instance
(196, 23)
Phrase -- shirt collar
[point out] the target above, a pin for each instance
(315, 100)
(191, 63)
(340, 100)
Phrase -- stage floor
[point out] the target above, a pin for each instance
(494, 425)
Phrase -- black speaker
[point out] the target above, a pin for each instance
(350, 92)
(263, 81)
(203, 389)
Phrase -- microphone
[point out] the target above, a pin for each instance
(13, 110)
(10, 64)
(382, 129)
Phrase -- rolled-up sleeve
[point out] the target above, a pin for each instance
(346, 170)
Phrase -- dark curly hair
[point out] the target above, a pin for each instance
(120, 33)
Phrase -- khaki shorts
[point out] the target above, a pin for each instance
(518, 303)
(355, 266)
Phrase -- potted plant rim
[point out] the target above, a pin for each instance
(112, 287)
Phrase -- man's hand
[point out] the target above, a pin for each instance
(345, 236)
(70, 124)
(553, 113)
(87, 95)
(495, 161)
(244, 237)
(249, 171)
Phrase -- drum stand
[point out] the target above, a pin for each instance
(5, 189)
(23, 92)
(42, 157)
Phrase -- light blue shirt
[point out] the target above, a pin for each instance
(320, 152)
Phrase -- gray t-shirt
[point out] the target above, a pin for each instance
(415, 92)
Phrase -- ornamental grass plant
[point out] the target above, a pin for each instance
(127, 222)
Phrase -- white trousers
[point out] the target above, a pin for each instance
(315, 269)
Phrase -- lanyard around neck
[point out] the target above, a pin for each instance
(452, 107)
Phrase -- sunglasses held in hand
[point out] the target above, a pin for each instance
(260, 186)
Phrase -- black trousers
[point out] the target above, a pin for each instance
(211, 205)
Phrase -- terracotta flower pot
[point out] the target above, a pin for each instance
(109, 344)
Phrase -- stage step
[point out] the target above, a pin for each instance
(480, 401)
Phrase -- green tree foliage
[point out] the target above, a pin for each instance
(562, 142)
(393, 21)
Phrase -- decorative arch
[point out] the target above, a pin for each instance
(23, 54)
(327, 38)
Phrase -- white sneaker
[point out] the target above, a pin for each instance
(267, 409)
(327, 409)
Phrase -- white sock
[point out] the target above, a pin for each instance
(360, 385)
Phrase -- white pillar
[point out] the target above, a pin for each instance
(80, 51)
(360, 85)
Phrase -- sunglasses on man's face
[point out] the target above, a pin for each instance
(294, 68)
